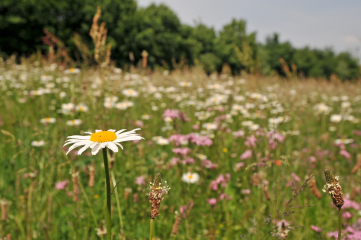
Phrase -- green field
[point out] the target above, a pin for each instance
(251, 140)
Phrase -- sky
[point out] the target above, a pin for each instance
(313, 23)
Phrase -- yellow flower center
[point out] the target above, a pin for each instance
(190, 176)
(72, 70)
(103, 136)
(47, 119)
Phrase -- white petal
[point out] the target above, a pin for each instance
(75, 141)
(111, 130)
(133, 131)
(72, 147)
(88, 132)
(129, 133)
(81, 150)
(129, 138)
(75, 145)
(96, 149)
(79, 137)
(120, 131)
(112, 146)
(119, 145)
(93, 145)
(98, 130)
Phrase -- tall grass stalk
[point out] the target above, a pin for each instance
(89, 203)
(118, 206)
(151, 232)
(339, 223)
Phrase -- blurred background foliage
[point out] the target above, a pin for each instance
(158, 30)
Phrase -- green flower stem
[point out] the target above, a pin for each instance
(151, 234)
(339, 223)
(107, 180)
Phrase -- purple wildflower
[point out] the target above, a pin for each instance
(61, 185)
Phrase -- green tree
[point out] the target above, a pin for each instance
(273, 50)
(347, 67)
(205, 53)
(234, 35)
(205, 36)
(158, 31)
(323, 63)
(22, 23)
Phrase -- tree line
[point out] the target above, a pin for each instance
(158, 30)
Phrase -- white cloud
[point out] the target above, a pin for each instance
(351, 39)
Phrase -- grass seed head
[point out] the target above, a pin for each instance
(333, 188)
(155, 194)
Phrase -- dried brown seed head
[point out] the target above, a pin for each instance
(333, 188)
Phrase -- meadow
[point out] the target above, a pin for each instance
(244, 156)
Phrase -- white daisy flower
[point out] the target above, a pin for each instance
(48, 120)
(239, 98)
(210, 126)
(121, 106)
(185, 84)
(74, 122)
(214, 86)
(247, 123)
(101, 139)
(344, 98)
(345, 104)
(66, 107)
(158, 95)
(81, 107)
(72, 71)
(117, 70)
(201, 156)
(250, 105)
(101, 232)
(322, 108)
(45, 78)
(128, 104)
(237, 107)
(62, 94)
(38, 92)
(168, 119)
(108, 104)
(130, 93)
(145, 117)
(343, 141)
(190, 177)
(336, 118)
(38, 143)
(254, 127)
(163, 141)
(112, 99)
